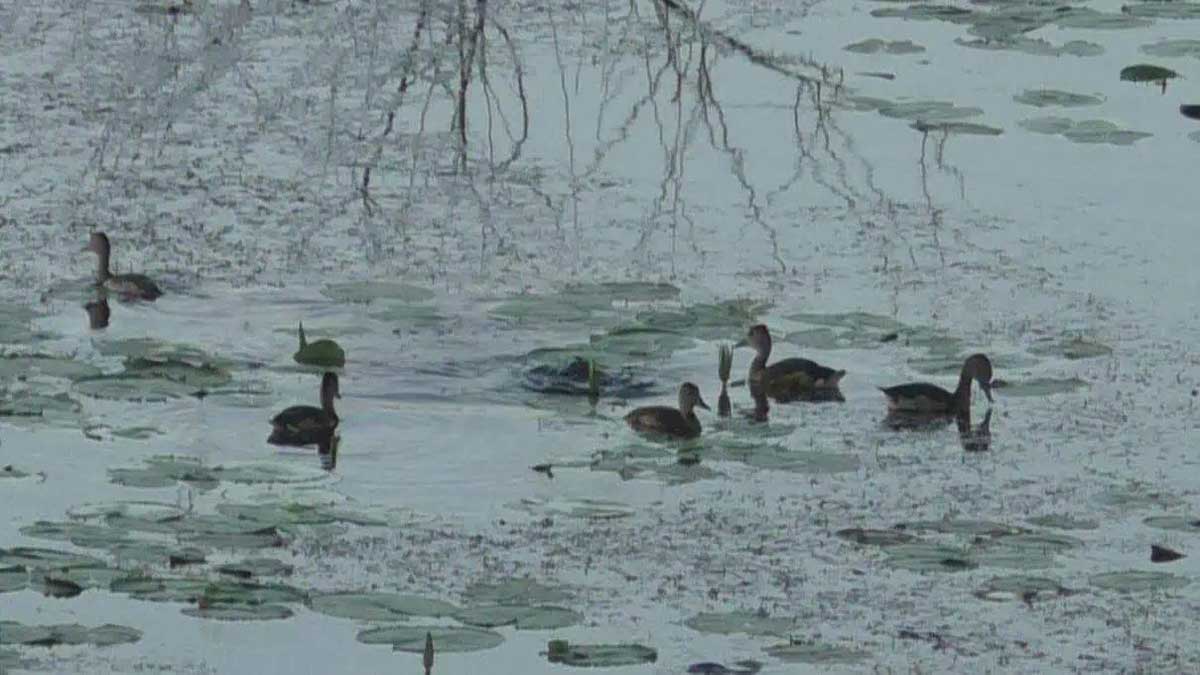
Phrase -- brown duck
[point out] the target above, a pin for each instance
(661, 419)
(922, 397)
(305, 424)
(790, 379)
(128, 286)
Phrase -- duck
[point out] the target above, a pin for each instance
(922, 397)
(790, 379)
(677, 423)
(129, 286)
(320, 352)
(305, 424)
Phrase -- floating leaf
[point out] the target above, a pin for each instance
(368, 291)
(928, 111)
(875, 46)
(13, 633)
(817, 654)
(448, 639)
(46, 559)
(325, 353)
(21, 367)
(522, 617)
(256, 567)
(1019, 587)
(1136, 581)
(1176, 48)
(749, 623)
(966, 526)
(15, 324)
(1145, 72)
(15, 578)
(1042, 98)
(1176, 523)
(925, 557)
(594, 509)
(514, 592)
(1040, 386)
(600, 656)
(1169, 9)
(870, 537)
(1074, 349)
(1136, 496)
(1065, 522)
(962, 128)
(1047, 125)
(372, 606)
(234, 612)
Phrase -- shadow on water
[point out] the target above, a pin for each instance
(973, 439)
(98, 312)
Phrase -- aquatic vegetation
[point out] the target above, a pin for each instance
(1145, 72)
(14, 633)
(871, 537)
(16, 324)
(748, 623)
(928, 111)
(1163, 10)
(1137, 581)
(599, 656)
(929, 557)
(14, 367)
(523, 591)
(1073, 348)
(1040, 386)
(1086, 131)
(448, 639)
(522, 617)
(1034, 46)
(876, 45)
(1173, 48)
(324, 353)
(216, 611)
(255, 567)
(379, 606)
(1065, 522)
(1020, 587)
(963, 128)
(817, 654)
(1042, 98)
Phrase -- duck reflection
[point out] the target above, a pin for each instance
(978, 439)
(327, 451)
(98, 312)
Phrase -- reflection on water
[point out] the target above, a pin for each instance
(98, 312)
(327, 451)
(975, 439)
(978, 439)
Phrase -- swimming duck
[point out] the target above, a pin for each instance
(320, 352)
(304, 424)
(922, 397)
(661, 419)
(130, 286)
(790, 379)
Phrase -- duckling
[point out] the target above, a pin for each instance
(319, 353)
(304, 424)
(661, 419)
(922, 397)
(790, 379)
(128, 286)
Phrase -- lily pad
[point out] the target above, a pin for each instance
(15, 324)
(1083, 17)
(592, 509)
(962, 128)
(1019, 587)
(1169, 9)
(964, 526)
(13, 633)
(1145, 72)
(1041, 386)
(928, 111)
(46, 559)
(371, 606)
(14, 578)
(749, 623)
(550, 309)
(235, 612)
(448, 639)
(924, 12)
(706, 321)
(817, 654)
(19, 367)
(256, 473)
(926, 557)
(1176, 48)
(324, 352)
(521, 617)
(84, 535)
(1136, 496)
(637, 342)
(599, 656)
(1042, 98)
(1065, 522)
(1176, 523)
(1074, 349)
(1035, 46)
(875, 46)
(369, 291)
(1047, 125)
(1136, 581)
(1103, 131)
(256, 567)
(165, 471)
(45, 408)
(514, 592)
(857, 321)
(622, 291)
(869, 537)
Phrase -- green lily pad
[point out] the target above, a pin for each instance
(875, 46)
(165, 471)
(870, 537)
(46, 559)
(962, 128)
(857, 321)
(254, 473)
(926, 557)
(1136, 581)
(410, 317)
(633, 342)
(550, 309)
(234, 612)
(1176, 523)
(928, 111)
(1041, 386)
(706, 321)
(15, 367)
(599, 656)
(1035, 46)
(256, 567)
(155, 589)
(1042, 98)
(522, 617)
(817, 654)
(371, 606)
(1048, 125)
(1065, 522)
(447, 639)
(1137, 496)
(749, 623)
(592, 509)
(324, 353)
(514, 592)
(622, 291)
(42, 407)
(1083, 17)
(1163, 10)
(924, 12)
(84, 535)
(1145, 72)
(15, 324)
(125, 387)
(1074, 348)
(14, 578)
(964, 526)
(1019, 587)
(368, 291)
(1103, 131)
(13, 633)
(1176, 48)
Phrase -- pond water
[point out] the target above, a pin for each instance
(890, 186)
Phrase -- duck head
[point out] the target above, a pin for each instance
(979, 368)
(689, 398)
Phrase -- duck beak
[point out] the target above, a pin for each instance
(701, 404)
(987, 390)
(741, 343)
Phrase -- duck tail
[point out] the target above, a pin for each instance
(837, 377)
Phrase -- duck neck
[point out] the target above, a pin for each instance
(102, 273)
(962, 394)
(760, 358)
(327, 401)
